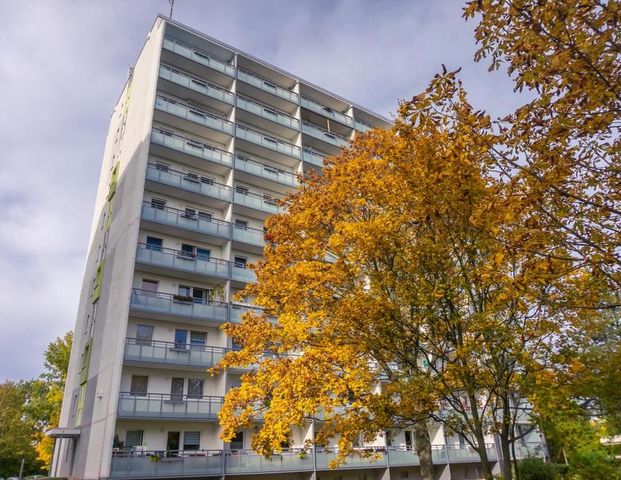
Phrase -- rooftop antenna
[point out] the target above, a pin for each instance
(172, 5)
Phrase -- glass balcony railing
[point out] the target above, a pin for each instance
(168, 405)
(267, 112)
(184, 261)
(141, 463)
(188, 221)
(193, 114)
(267, 141)
(153, 351)
(324, 135)
(253, 236)
(313, 157)
(258, 82)
(529, 449)
(327, 111)
(190, 182)
(363, 127)
(262, 170)
(196, 84)
(198, 56)
(166, 303)
(237, 310)
(368, 458)
(243, 274)
(258, 202)
(191, 147)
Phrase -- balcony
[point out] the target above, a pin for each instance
(167, 258)
(237, 310)
(313, 157)
(262, 203)
(191, 147)
(377, 458)
(243, 274)
(465, 454)
(198, 56)
(188, 182)
(170, 353)
(267, 172)
(265, 141)
(166, 405)
(529, 449)
(256, 81)
(327, 112)
(208, 90)
(247, 235)
(267, 113)
(324, 135)
(139, 464)
(157, 304)
(196, 117)
(199, 224)
(363, 127)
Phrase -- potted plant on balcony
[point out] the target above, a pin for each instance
(156, 457)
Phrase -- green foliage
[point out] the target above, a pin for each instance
(17, 441)
(536, 469)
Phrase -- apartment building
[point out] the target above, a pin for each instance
(203, 142)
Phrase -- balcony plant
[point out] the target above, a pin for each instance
(182, 298)
(156, 457)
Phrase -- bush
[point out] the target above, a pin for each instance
(536, 469)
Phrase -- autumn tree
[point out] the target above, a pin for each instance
(564, 145)
(412, 265)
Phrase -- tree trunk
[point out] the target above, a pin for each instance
(423, 449)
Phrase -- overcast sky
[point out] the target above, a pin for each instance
(62, 67)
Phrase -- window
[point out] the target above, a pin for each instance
(191, 177)
(241, 224)
(181, 338)
(154, 243)
(162, 167)
(198, 340)
(207, 180)
(408, 438)
(195, 388)
(139, 385)
(237, 442)
(133, 438)
(204, 216)
(149, 287)
(158, 203)
(184, 291)
(176, 390)
(187, 250)
(203, 253)
(191, 440)
(144, 334)
(240, 262)
(241, 190)
(269, 199)
(190, 213)
(200, 295)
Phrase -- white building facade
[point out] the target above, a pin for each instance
(202, 143)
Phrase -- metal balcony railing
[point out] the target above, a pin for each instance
(190, 182)
(198, 56)
(327, 111)
(168, 405)
(180, 260)
(194, 83)
(191, 147)
(266, 141)
(263, 170)
(193, 114)
(263, 203)
(252, 79)
(267, 112)
(166, 303)
(324, 135)
(237, 310)
(188, 221)
(155, 351)
(252, 236)
(312, 156)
